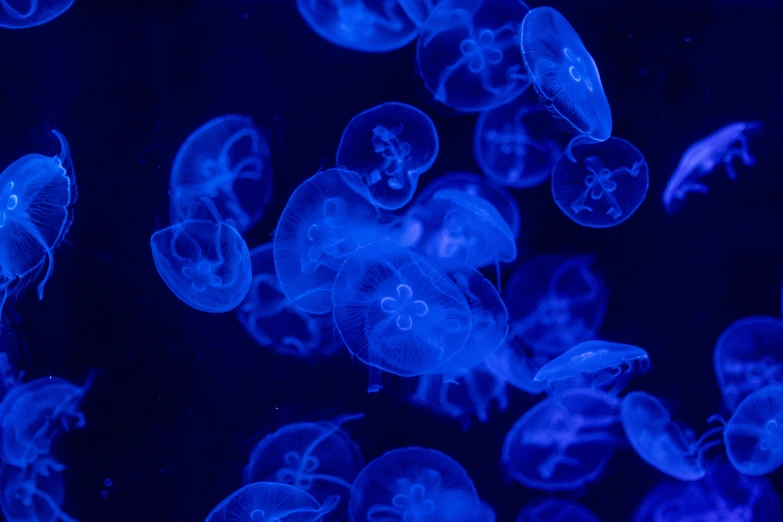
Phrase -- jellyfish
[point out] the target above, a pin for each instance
(414, 484)
(563, 443)
(754, 433)
(512, 144)
(748, 356)
(599, 185)
(30, 13)
(703, 156)
(9, 351)
(389, 146)
(226, 160)
(397, 311)
(418, 10)
(516, 364)
(33, 493)
(205, 264)
(555, 509)
(271, 502)
(555, 302)
(38, 193)
(660, 442)
(468, 53)
(323, 222)
(564, 74)
(317, 457)
(370, 26)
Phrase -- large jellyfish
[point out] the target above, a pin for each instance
(272, 502)
(20, 14)
(754, 434)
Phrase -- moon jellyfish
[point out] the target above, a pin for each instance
(721, 147)
(20, 14)
(397, 311)
(660, 442)
(468, 54)
(558, 509)
(517, 364)
(205, 264)
(414, 484)
(555, 302)
(33, 493)
(599, 185)
(754, 434)
(226, 160)
(389, 146)
(564, 74)
(748, 356)
(370, 26)
(270, 501)
(563, 443)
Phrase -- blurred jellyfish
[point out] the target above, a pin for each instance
(33, 493)
(389, 146)
(226, 160)
(516, 364)
(414, 484)
(20, 14)
(370, 26)
(486, 512)
(754, 434)
(205, 264)
(418, 10)
(555, 509)
(563, 443)
(748, 356)
(555, 302)
(270, 501)
(397, 311)
(9, 351)
(468, 53)
(599, 185)
(703, 156)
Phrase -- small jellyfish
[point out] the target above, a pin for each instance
(397, 311)
(226, 160)
(468, 53)
(517, 364)
(703, 156)
(754, 433)
(555, 509)
(205, 264)
(389, 146)
(21, 14)
(599, 185)
(563, 443)
(33, 493)
(370, 26)
(271, 502)
(414, 484)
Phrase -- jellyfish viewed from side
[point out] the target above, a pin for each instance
(271, 501)
(30, 13)
(754, 433)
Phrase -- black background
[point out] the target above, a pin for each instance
(182, 396)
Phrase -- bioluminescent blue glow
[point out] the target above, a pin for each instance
(20, 14)
(555, 509)
(754, 433)
(269, 501)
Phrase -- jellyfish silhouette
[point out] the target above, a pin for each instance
(557, 509)
(29, 13)
(754, 434)
(270, 501)
(33, 493)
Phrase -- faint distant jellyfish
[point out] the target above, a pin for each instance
(754, 434)
(564, 74)
(563, 443)
(660, 442)
(468, 53)
(33, 493)
(226, 160)
(703, 156)
(555, 509)
(600, 185)
(389, 146)
(205, 264)
(414, 484)
(323, 222)
(397, 311)
(20, 14)
(370, 26)
(271, 502)
(516, 364)
(748, 356)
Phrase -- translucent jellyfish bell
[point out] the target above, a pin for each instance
(754, 434)
(558, 509)
(418, 10)
(33, 493)
(270, 501)
(414, 484)
(30, 13)
(515, 363)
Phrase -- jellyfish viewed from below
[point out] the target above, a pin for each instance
(20, 14)
(415, 484)
(270, 501)
(754, 434)
(557, 509)
(33, 493)
(389, 146)
(468, 53)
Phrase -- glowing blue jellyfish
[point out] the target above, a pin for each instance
(754, 434)
(226, 160)
(9, 351)
(661, 442)
(563, 443)
(36, 211)
(397, 311)
(555, 302)
(370, 26)
(748, 356)
(564, 74)
(418, 10)
(703, 156)
(205, 264)
(517, 364)
(557, 509)
(271, 502)
(468, 53)
(33, 493)
(414, 484)
(512, 144)
(389, 146)
(600, 185)
(323, 222)
(317, 457)
(20, 14)
(486, 512)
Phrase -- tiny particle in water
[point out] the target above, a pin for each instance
(107, 482)
(687, 39)
(104, 493)
(244, 16)
(142, 161)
